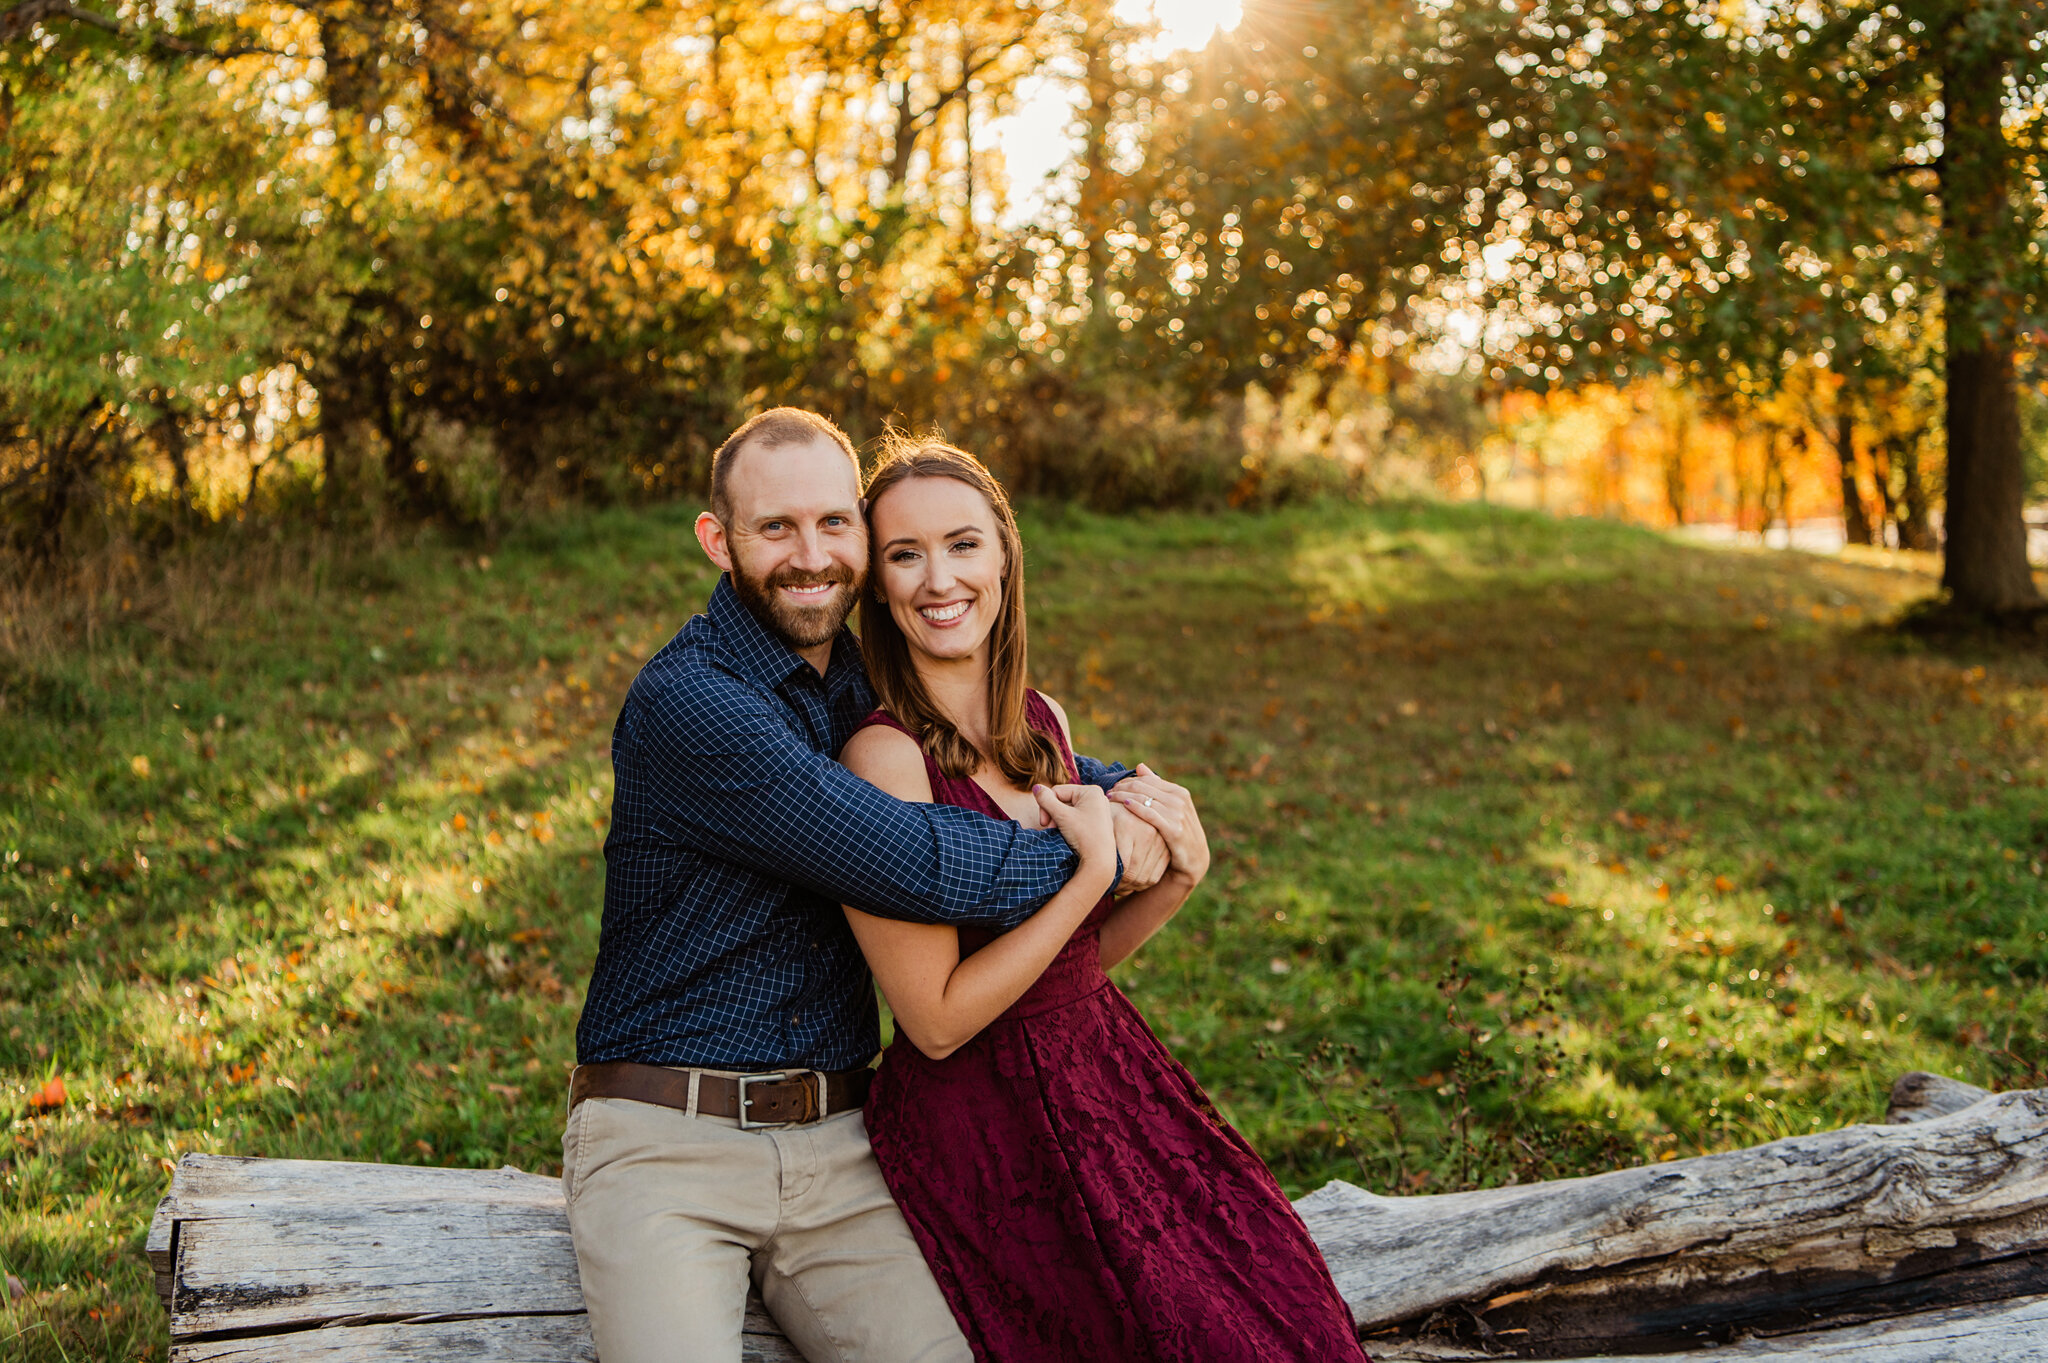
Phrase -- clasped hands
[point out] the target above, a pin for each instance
(1158, 832)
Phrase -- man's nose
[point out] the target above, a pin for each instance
(810, 555)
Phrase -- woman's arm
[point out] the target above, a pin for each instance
(939, 1000)
(1171, 810)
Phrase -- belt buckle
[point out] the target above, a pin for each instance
(747, 1123)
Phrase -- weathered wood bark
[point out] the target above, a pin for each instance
(1935, 1229)
(1919, 1097)
(290, 1259)
(1833, 1228)
(2006, 1333)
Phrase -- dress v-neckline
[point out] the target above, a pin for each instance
(994, 805)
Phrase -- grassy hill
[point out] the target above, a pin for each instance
(1541, 846)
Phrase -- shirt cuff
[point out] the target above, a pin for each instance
(1108, 777)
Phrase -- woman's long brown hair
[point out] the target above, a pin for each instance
(1022, 754)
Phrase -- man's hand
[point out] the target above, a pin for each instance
(1142, 849)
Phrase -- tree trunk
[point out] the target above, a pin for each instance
(1775, 495)
(1916, 527)
(412, 486)
(1675, 466)
(1092, 210)
(66, 461)
(1985, 564)
(1614, 477)
(1881, 478)
(332, 429)
(1985, 537)
(171, 435)
(967, 145)
(1855, 515)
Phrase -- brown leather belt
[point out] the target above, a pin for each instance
(774, 1098)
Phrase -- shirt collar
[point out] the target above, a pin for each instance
(763, 658)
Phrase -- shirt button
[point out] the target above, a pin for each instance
(796, 1019)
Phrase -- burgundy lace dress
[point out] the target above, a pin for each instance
(1077, 1196)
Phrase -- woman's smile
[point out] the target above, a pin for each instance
(945, 614)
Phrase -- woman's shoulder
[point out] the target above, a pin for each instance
(883, 753)
(1053, 711)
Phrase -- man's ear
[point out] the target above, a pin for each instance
(711, 535)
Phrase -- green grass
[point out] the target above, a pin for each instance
(1540, 846)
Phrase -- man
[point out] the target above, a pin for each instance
(715, 1133)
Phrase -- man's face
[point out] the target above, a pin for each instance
(795, 541)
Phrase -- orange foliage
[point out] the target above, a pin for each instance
(1659, 454)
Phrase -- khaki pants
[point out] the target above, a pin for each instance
(672, 1215)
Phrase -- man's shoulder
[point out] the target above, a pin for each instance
(693, 680)
(693, 655)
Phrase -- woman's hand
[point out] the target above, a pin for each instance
(1170, 809)
(1082, 813)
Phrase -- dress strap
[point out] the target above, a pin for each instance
(1039, 714)
(880, 716)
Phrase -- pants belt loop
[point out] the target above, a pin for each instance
(696, 1077)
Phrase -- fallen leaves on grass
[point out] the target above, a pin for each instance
(50, 1096)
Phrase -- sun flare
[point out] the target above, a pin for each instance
(1185, 24)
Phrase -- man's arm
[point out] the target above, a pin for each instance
(727, 776)
(1094, 773)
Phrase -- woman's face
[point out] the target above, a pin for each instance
(938, 564)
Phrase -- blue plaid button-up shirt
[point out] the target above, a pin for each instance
(735, 837)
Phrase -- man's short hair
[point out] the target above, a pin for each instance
(772, 429)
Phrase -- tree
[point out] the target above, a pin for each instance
(1794, 177)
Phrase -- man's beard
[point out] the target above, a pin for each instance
(798, 626)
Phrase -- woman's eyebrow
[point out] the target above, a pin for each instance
(912, 539)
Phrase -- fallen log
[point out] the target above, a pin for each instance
(1920, 1096)
(1832, 1246)
(355, 1263)
(2006, 1332)
(1805, 1233)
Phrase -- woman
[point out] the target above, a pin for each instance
(1073, 1189)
